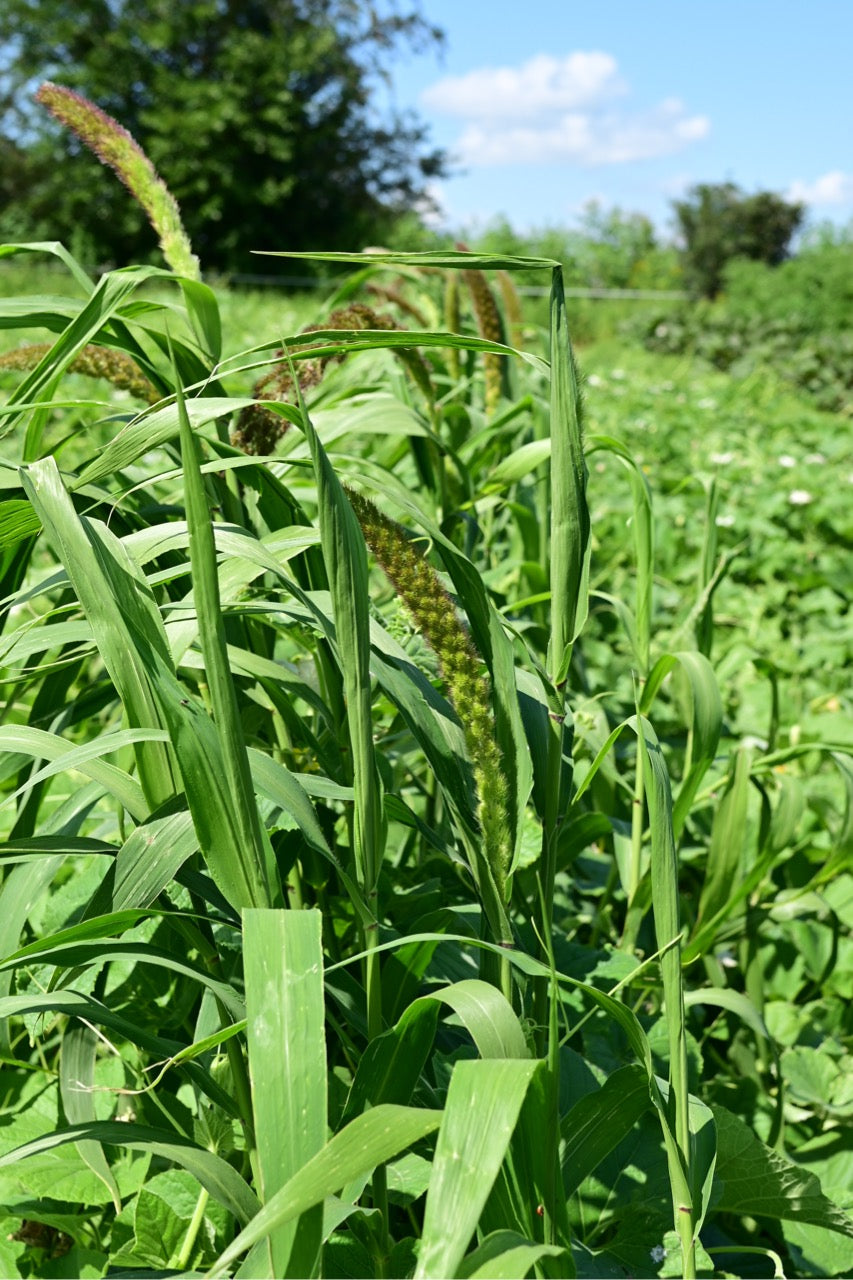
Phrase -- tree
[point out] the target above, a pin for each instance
(718, 222)
(259, 114)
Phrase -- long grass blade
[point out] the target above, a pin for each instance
(287, 1063)
(482, 1108)
(237, 778)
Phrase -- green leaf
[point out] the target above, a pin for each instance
(369, 1140)
(214, 1173)
(599, 1121)
(287, 1062)
(481, 1111)
(705, 725)
(725, 852)
(505, 1255)
(251, 847)
(165, 1214)
(569, 551)
(345, 558)
(76, 1081)
(752, 1179)
(121, 609)
(86, 759)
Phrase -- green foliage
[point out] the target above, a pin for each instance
(718, 223)
(259, 117)
(608, 249)
(793, 318)
(589, 636)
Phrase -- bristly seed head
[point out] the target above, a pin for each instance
(96, 362)
(468, 688)
(115, 147)
(259, 428)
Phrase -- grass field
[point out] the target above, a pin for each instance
(427, 798)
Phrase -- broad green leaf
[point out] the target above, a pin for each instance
(165, 1223)
(504, 1255)
(151, 857)
(599, 1121)
(74, 954)
(103, 302)
(56, 249)
(76, 1080)
(287, 1063)
(121, 609)
(390, 1067)
(203, 311)
(150, 430)
(725, 851)
(480, 1114)
(85, 759)
(752, 1179)
(488, 1016)
(345, 558)
(642, 528)
(369, 1140)
(20, 891)
(519, 464)
(210, 1170)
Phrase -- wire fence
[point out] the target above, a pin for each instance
(527, 290)
(284, 282)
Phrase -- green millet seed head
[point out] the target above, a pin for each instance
(468, 689)
(512, 308)
(95, 362)
(115, 147)
(490, 327)
(452, 322)
(258, 429)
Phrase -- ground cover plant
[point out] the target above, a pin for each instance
(793, 318)
(426, 789)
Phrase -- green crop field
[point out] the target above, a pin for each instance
(427, 796)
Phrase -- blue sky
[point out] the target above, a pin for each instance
(548, 104)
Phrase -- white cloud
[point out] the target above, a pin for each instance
(539, 86)
(585, 138)
(831, 188)
(553, 110)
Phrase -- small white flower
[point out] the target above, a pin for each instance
(724, 522)
(815, 459)
(661, 330)
(787, 461)
(799, 497)
(722, 459)
(658, 1253)
(707, 402)
(618, 374)
(594, 381)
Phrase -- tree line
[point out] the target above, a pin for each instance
(262, 117)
